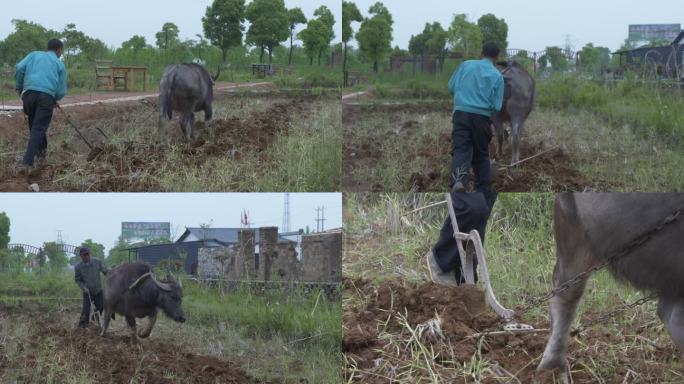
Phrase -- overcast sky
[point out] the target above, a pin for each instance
(36, 218)
(116, 21)
(536, 24)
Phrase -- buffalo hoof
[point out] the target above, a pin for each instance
(549, 363)
(144, 335)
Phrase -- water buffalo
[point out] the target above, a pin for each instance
(132, 290)
(186, 88)
(519, 98)
(592, 227)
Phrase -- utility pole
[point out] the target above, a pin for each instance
(320, 219)
(286, 213)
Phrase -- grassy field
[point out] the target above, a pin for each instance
(275, 338)
(257, 141)
(623, 136)
(387, 250)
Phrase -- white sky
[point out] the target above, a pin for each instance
(36, 218)
(118, 20)
(536, 24)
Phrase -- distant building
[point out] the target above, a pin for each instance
(133, 232)
(187, 246)
(667, 60)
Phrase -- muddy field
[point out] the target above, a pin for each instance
(398, 146)
(135, 156)
(386, 340)
(52, 338)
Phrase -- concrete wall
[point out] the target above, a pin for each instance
(217, 262)
(322, 257)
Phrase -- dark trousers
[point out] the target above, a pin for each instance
(472, 212)
(470, 139)
(85, 313)
(38, 106)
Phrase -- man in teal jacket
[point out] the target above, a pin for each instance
(478, 90)
(41, 81)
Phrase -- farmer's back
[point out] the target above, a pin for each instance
(42, 72)
(477, 87)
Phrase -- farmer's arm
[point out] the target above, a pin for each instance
(498, 94)
(62, 86)
(20, 73)
(453, 82)
(78, 277)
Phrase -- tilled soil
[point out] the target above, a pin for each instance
(121, 166)
(114, 359)
(463, 313)
(554, 171)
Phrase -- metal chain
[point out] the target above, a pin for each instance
(614, 312)
(631, 246)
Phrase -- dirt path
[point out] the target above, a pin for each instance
(106, 360)
(94, 98)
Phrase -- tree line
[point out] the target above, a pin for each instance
(225, 34)
(52, 256)
(462, 37)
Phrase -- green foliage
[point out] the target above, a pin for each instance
(494, 30)
(57, 259)
(269, 24)
(350, 14)
(27, 37)
(642, 106)
(135, 43)
(464, 37)
(374, 37)
(168, 36)
(4, 230)
(222, 24)
(554, 56)
(96, 249)
(431, 41)
(294, 16)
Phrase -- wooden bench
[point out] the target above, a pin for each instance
(107, 78)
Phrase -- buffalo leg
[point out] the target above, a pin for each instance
(563, 312)
(516, 129)
(208, 112)
(131, 323)
(187, 122)
(150, 324)
(104, 321)
(499, 129)
(671, 313)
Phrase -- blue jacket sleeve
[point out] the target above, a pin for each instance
(498, 94)
(20, 72)
(62, 86)
(454, 81)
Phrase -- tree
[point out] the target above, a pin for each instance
(431, 41)
(589, 58)
(269, 25)
(494, 30)
(27, 37)
(464, 37)
(222, 24)
(57, 259)
(350, 14)
(135, 43)
(294, 16)
(96, 249)
(328, 33)
(554, 55)
(4, 230)
(375, 34)
(168, 36)
(312, 37)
